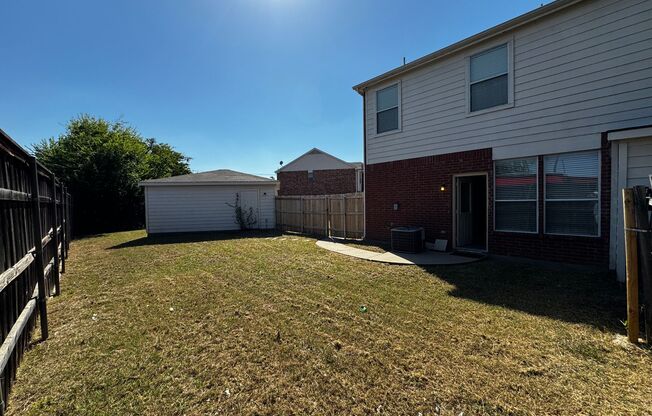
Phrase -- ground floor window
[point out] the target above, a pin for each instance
(572, 193)
(516, 195)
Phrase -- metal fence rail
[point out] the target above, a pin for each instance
(34, 243)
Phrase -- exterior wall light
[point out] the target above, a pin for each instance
(442, 187)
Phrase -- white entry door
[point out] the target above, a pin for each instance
(249, 203)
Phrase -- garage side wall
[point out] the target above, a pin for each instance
(173, 209)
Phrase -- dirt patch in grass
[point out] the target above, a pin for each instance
(269, 324)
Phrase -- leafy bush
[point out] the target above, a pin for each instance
(102, 162)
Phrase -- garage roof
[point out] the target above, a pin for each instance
(213, 177)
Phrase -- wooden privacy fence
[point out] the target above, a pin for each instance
(34, 242)
(340, 216)
(638, 261)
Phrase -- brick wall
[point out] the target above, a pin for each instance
(415, 185)
(324, 182)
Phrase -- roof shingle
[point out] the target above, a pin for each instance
(216, 177)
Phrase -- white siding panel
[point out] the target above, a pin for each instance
(632, 163)
(578, 73)
(607, 15)
(639, 162)
(203, 208)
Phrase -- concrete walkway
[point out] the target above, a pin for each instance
(425, 258)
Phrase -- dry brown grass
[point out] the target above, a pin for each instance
(271, 325)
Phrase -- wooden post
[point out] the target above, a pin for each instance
(643, 224)
(68, 227)
(64, 236)
(54, 216)
(303, 213)
(38, 255)
(344, 215)
(326, 216)
(631, 263)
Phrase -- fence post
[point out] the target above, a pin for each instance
(326, 213)
(643, 224)
(67, 216)
(302, 214)
(631, 264)
(344, 215)
(55, 226)
(62, 258)
(38, 255)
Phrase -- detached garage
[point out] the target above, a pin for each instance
(205, 201)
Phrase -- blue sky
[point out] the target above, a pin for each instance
(238, 84)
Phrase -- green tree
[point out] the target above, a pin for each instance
(163, 161)
(102, 162)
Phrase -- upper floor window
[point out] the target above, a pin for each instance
(572, 191)
(489, 79)
(387, 111)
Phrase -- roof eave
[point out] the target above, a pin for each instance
(210, 183)
(497, 30)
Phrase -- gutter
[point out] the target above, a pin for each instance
(364, 165)
(485, 35)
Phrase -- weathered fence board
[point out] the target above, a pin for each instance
(31, 200)
(340, 216)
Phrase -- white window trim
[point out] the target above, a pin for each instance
(536, 201)
(399, 106)
(599, 198)
(510, 78)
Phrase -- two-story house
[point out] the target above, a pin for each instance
(518, 140)
(319, 173)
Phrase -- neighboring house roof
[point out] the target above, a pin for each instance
(316, 159)
(500, 29)
(213, 177)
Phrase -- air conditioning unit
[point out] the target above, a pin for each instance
(408, 239)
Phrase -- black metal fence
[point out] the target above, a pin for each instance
(34, 242)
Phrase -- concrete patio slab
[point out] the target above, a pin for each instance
(426, 258)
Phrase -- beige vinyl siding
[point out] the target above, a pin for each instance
(203, 208)
(580, 72)
(631, 165)
(639, 163)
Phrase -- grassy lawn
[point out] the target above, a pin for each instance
(272, 325)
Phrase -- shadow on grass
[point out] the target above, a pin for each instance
(572, 296)
(180, 238)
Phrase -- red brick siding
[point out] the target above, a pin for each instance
(324, 182)
(415, 185)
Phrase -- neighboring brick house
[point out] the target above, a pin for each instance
(319, 173)
(518, 140)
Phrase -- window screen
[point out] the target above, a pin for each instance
(489, 79)
(572, 193)
(516, 195)
(387, 109)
